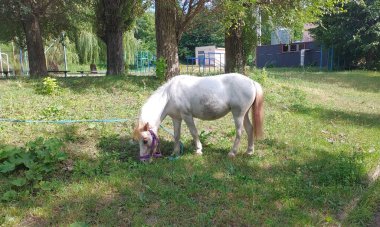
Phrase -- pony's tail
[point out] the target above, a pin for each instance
(258, 112)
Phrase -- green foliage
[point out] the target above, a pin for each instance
(204, 137)
(161, 68)
(55, 54)
(260, 75)
(145, 32)
(354, 34)
(113, 16)
(131, 45)
(207, 30)
(244, 14)
(89, 47)
(54, 17)
(30, 165)
(48, 86)
(52, 112)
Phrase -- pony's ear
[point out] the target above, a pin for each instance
(146, 127)
(136, 133)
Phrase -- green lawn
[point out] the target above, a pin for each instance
(316, 166)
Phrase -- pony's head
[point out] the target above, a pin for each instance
(148, 141)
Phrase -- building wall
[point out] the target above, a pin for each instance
(274, 55)
(214, 56)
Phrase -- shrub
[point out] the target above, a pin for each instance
(48, 86)
(161, 68)
(30, 165)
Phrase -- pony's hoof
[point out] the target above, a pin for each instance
(231, 154)
(199, 153)
(250, 153)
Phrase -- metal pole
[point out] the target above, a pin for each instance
(332, 58)
(7, 62)
(26, 59)
(220, 62)
(14, 59)
(321, 59)
(21, 63)
(1, 64)
(64, 51)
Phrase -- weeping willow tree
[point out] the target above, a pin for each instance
(90, 49)
(131, 46)
(113, 19)
(55, 54)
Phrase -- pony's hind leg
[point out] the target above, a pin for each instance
(194, 132)
(249, 129)
(238, 119)
(177, 135)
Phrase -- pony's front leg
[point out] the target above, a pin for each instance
(177, 135)
(193, 130)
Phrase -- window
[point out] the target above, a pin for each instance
(285, 48)
(293, 47)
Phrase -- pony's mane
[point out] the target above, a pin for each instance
(142, 125)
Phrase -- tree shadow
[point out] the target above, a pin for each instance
(321, 182)
(109, 83)
(214, 189)
(361, 119)
(359, 80)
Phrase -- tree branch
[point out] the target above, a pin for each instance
(186, 18)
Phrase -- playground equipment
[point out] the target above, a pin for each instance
(210, 62)
(144, 64)
(4, 71)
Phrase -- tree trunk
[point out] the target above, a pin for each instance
(115, 53)
(235, 61)
(114, 37)
(35, 46)
(166, 35)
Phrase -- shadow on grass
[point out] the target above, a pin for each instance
(108, 83)
(361, 119)
(127, 148)
(212, 189)
(359, 80)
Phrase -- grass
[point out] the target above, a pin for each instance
(314, 166)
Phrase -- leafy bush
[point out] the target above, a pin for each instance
(48, 86)
(161, 68)
(52, 112)
(262, 77)
(30, 165)
(204, 137)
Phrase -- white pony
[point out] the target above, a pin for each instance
(208, 98)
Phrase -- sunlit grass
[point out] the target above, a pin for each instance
(321, 145)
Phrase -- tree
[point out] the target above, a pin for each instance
(114, 17)
(27, 16)
(354, 34)
(145, 32)
(28, 22)
(172, 19)
(206, 29)
(242, 19)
